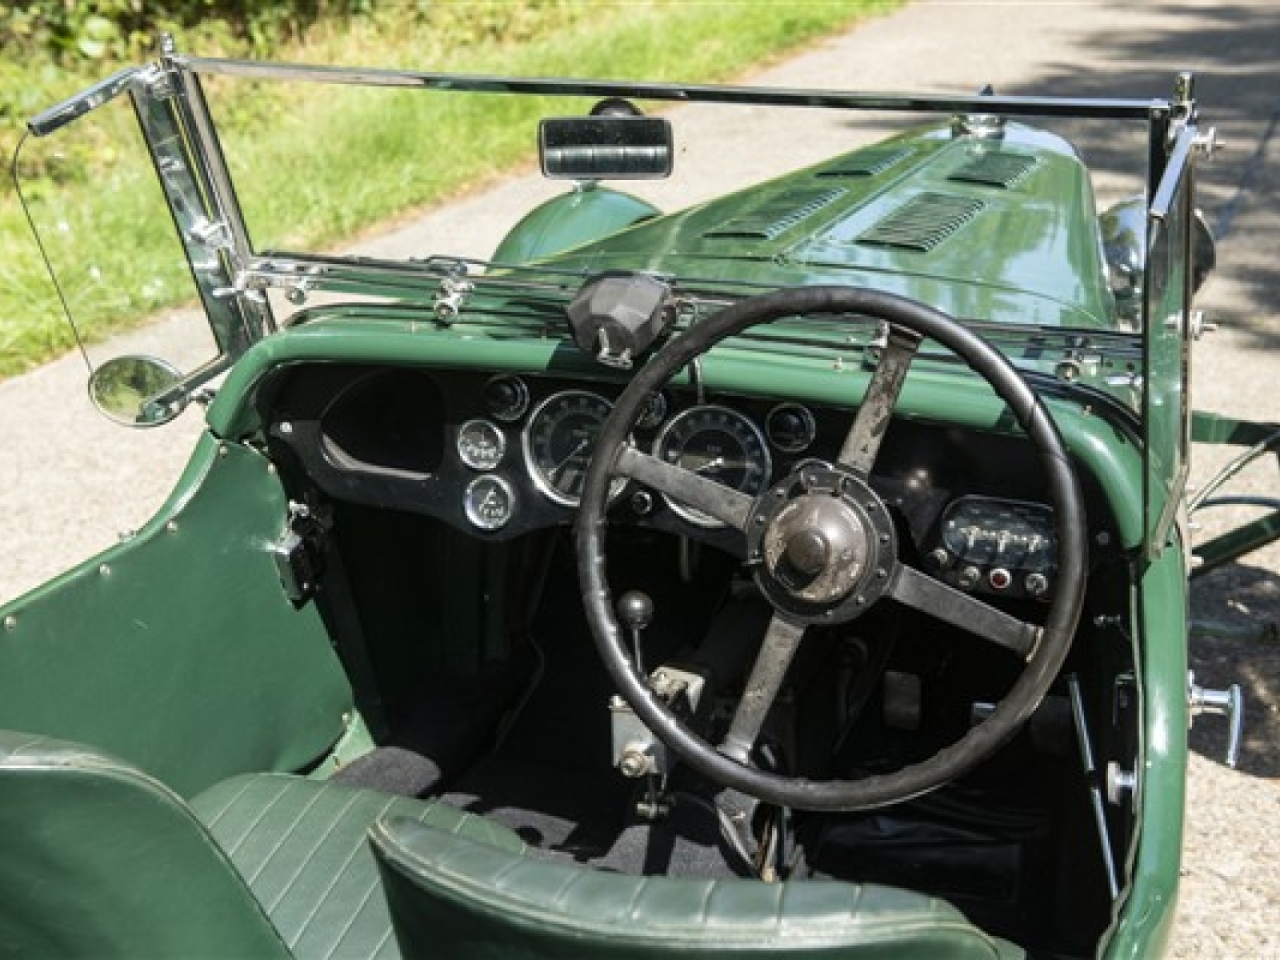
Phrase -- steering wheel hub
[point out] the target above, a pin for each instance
(822, 543)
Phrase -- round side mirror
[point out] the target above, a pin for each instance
(137, 391)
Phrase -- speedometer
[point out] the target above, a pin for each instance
(719, 444)
(558, 442)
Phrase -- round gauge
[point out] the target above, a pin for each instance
(719, 444)
(558, 442)
(653, 412)
(506, 398)
(790, 427)
(481, 444)
(489, 502)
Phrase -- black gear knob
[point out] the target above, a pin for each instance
(635, 610)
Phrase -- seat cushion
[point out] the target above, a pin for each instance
(453, 897)
(302, 847)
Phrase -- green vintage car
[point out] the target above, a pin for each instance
(798, 573)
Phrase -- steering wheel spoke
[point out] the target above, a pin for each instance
(781, 641)
(862, 444)
(714, 499)
(922, 592)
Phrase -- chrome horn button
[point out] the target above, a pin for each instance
(822, 543)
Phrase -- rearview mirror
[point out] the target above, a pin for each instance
(610, 147)
(137, 391)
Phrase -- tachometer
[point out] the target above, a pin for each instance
(558, 442)
(717, 443)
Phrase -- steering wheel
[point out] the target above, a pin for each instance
(823, 549)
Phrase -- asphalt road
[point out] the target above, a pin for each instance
(70, 481)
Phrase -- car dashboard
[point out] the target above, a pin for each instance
(500, 455)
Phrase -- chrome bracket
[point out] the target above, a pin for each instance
(450, 298)
(1227, 703)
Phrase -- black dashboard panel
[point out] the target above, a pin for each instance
(501, 456)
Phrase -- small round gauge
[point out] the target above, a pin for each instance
(506, 397)
(489, 502)
(653, 412)
(558, 442)
(790, 427)
(719, 444)
(481, 444)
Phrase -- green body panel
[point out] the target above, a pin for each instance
(569, 221)
(178, 650)
(1146, 909)
(942, 393)
(1028, 255)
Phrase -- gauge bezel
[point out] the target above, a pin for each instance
(688, 513)
(521, 406)
(806, 416)
(541, 482)
(476, 464)
(469, 506)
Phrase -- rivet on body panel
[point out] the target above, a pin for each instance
(104, 570)
(222, 449)
(271, 469)
(11, 623)
(171, 526)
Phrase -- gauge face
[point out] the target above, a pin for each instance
(558, 442)
(489, 502)
(506, 397)
(481, 444)
(719, 444)
(1009, 534)
(790, 427)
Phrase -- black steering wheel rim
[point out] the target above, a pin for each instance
(1044, 661)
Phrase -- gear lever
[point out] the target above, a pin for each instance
(635, 612)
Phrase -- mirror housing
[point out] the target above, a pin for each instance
(137, 391)
(614, 146)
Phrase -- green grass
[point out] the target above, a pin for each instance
(103, 220)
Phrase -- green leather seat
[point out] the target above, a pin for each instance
(453, 896)
(101, 860)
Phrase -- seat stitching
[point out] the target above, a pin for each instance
(287, 834)
(231, 803)
(635, 898)
(262, 814)
(373, 885)
(558, 899)
(337, 876)
(271, 909)
(706, 902)
(381, 943)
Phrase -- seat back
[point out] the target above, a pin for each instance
(100, 860)
(451, 896)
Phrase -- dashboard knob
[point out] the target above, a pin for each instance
(968, 578)
(937, 559)
(1036, 584)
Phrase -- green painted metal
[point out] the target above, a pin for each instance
(571, 220)
(177, 650)
(1145, 911)
(1029, 255)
